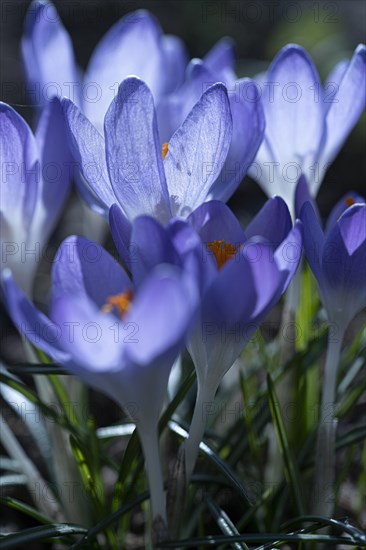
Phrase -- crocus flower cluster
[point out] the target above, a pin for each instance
(158, 155)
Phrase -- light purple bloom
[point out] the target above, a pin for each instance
(117, 338)
(34, 185)
(135, 45)
(306, 123)
(338, 258)
(127, 167)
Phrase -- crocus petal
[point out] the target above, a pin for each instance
(347, 105)
(197, 150)
(88, 148)
(84, 268)
(48, 54)
(273, 222)
(214, 220)
(295, 126)
(20, 168)
(121, 230)
(172, 112)
(344, 265)
(30, 322)
(288, 255)
(333, 81)
(345, 202)
(220, 60)
(130, 47)
(163, 311)
(151, 246)
(133, 151)
(175, 62)
(302, 195)
(313, 239)
(56, 163)
(87, 335)
(248, 129)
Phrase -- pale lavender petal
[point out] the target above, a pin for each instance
(84, 268)
(20, 168)
(175, 62)
(48, 55)
(134, 156)
(248, 129)
(131, 47)
(347, 106)
(197, 151)
(221, 59)
(273, 222)
(88, 148)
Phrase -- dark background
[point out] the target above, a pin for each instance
(329, 30)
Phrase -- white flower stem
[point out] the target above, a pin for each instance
(150, 445)
(205, 397)
(325, 448)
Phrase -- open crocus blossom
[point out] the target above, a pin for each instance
(117, 338)
(306, 124)
(241, 275)
(34, 186)
(134, 45)
(132, 168)
(253, 270)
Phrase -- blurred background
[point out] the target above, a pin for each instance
(329, 30)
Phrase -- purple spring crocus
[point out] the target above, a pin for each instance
(338, 257)
(34, 186)
(253, 270)
(241, 275)
(306, 123)
(117, 338)
(134, 45)
(338, 260)
(132, 168)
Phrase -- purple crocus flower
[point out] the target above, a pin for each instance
(306, 123)
(34, 186)
(117, 338)
(253, 270)
(134, 45)
(241, 276)
(338, 257)
(130, 168)
(338, 261)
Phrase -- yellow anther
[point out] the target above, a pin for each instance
(222, 251)
(164, 149)
(120, 302)
(349, 201)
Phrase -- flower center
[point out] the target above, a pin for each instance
(164, 149)
(222, 251)
(120, 302)
(349, 201)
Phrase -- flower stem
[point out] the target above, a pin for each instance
(205, 397)
(150, 445)
(325, 447)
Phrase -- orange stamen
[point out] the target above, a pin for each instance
(222, 251)
(164, 149)
(349, 201)
(121, 302)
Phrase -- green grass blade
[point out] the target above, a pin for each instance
(22, 539)
(292, 473)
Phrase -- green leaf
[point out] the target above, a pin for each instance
(216, 460)
(23, 538)
(25, 509)
(291, 469)
(224, 522)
